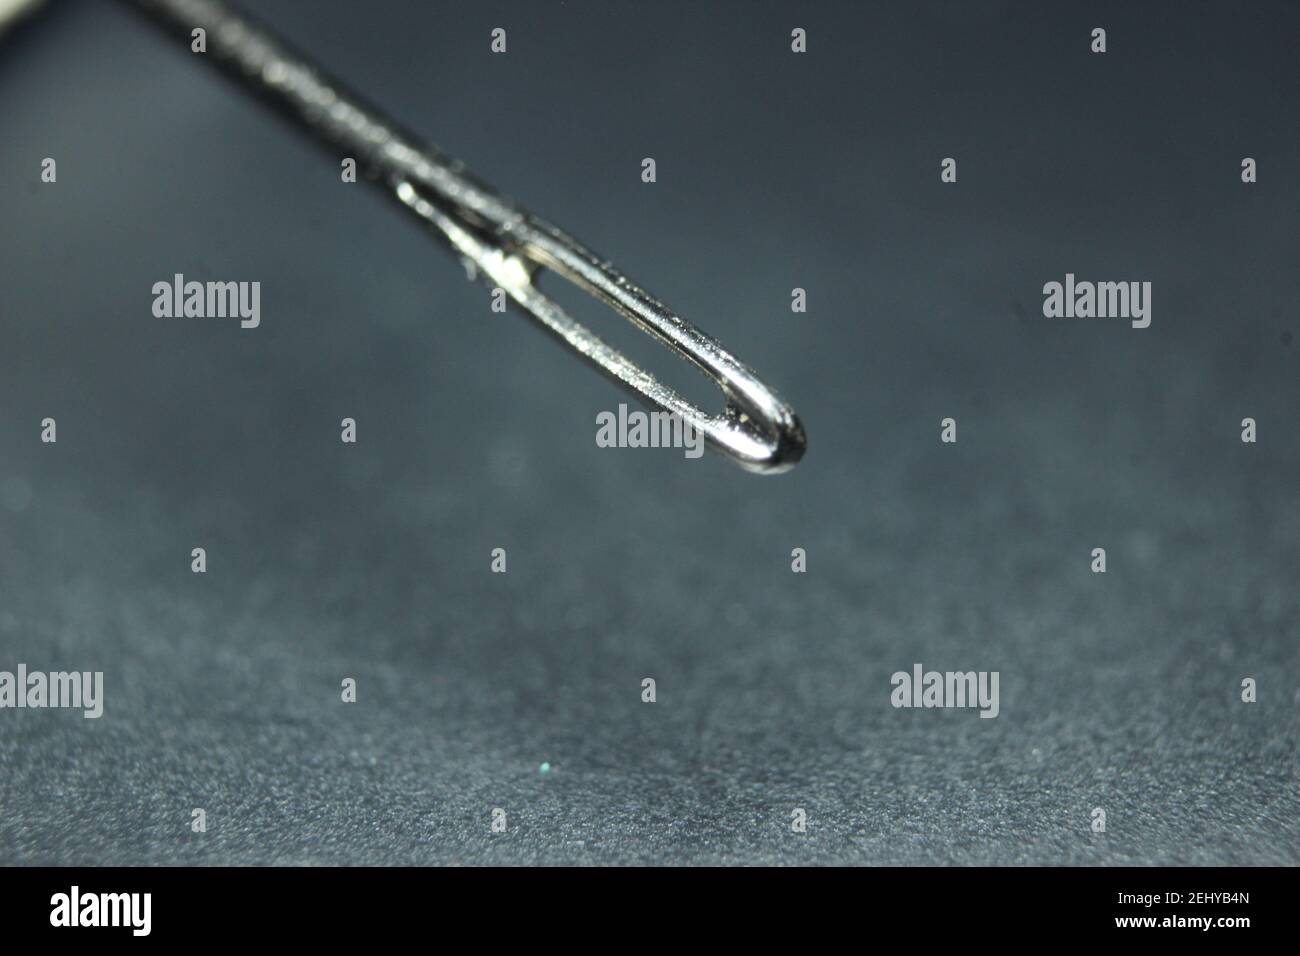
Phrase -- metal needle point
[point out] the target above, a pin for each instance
(499, 242)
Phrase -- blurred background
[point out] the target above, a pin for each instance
(476, 431)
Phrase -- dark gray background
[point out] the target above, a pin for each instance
(476, 431)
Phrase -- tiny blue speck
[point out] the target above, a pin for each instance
(544, 768)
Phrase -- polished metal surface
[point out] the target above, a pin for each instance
(499, 242)
(13, 12)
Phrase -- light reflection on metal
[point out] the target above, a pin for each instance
(498, 241)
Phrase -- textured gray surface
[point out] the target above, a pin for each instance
(371, 561)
